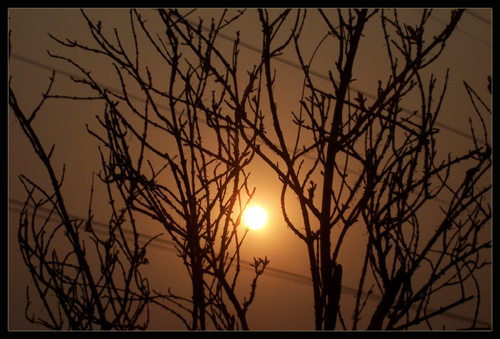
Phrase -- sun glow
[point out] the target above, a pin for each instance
(255, 217)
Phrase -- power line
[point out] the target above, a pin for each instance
(163, 243)
(282, 274)
(325, 77)
(461, 31)
(160, 105)
(478, 17)
(276, 272)
(258, 50)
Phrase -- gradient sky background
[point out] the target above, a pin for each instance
(284, 295)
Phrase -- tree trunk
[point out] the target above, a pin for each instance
(331, 279)
(196, 264)
(198, 297)
(332, 303)
(383, 308)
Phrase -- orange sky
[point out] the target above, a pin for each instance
(283, 302)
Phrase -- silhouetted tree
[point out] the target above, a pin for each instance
(376, 165)
(165, 164)
(81, 286)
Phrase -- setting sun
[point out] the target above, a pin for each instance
(255, 217)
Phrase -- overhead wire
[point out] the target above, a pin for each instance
(323, 76)
(258, 50)
(281, 59)
(477, 16)
(167, 245)
(255, 49)
(282, 274)
(160, 105)
(464, 32)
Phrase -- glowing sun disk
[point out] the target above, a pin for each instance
(255, 217)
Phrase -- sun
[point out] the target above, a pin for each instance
(255, 217)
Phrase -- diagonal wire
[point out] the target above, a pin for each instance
(168, 245)
(478, 17)
(136, 97)
(322, 76)
(282, 274)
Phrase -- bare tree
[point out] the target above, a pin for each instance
(399, 175)
(377, 166)
(81, 286)
(174, 159)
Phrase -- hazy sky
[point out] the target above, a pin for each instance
(284, 296)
